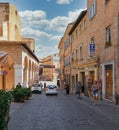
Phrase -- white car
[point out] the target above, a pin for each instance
(51, 89)
(36, 88)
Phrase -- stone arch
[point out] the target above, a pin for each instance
(6, 71)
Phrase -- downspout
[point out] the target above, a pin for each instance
(117, 59)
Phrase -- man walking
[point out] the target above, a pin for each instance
(78, 89)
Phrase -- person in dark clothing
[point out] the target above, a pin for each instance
(18, 85)
(67, 88)
(78, 88)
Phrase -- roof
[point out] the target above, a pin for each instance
(22, 44)
(82, 14)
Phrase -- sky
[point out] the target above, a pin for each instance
(46, 21)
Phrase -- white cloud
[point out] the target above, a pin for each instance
(40, 34)
(73, 15)
(36, 25)
(44, 51)
(32, 15)
(63, 1)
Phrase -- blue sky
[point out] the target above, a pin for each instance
(46, 21)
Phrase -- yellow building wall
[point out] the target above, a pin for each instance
(30, 42)
(14, 24)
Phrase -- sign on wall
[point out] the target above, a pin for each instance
(92, 49)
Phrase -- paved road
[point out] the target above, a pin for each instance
(63, 112)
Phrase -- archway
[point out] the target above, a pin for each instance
(6, 71)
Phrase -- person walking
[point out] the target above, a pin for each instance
(78, 88)
(95, 93)
(67, 88)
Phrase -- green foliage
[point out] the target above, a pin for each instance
(18, 94)
(5, 98)
(27, 92)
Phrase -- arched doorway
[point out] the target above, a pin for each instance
(6, 71)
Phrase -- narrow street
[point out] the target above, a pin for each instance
(63, 112)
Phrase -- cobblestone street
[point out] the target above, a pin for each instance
(63, 112)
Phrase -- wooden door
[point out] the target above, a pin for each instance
(109, 82)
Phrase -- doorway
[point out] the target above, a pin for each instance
(109, 81)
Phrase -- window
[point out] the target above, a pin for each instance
(84, 23)
(6, 17)
(76, 33)
(106, 1)
(92, 9)
(72, 58)
(1, 29)
(76, 55)
(108, 34)
(80, 29)
(92, 40)
(81, 55)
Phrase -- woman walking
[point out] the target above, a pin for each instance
(95, 93)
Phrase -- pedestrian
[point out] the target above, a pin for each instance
(95, 93)
(78, 88)
(67, 88)
(18, 85)
(44, 85)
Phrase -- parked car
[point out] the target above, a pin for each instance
(51, 89)
(36, 88)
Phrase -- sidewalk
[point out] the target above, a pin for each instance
(107, 108)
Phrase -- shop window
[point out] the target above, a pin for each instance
(108, 36)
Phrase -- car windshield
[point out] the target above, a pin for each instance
(51, 86)
(36, 85)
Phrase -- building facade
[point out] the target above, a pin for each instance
(65, 54)
(10, 23)
(21, 65)
(94, 47)
(50, 68)
(18, 62)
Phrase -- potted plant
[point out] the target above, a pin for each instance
(27, 93)
(18, 94)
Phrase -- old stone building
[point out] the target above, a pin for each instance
(21, 65)
(94, 47)
(18, 62)
(50, 68)
(10, 23)
(64, 54)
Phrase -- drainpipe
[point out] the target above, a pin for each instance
(116, 59)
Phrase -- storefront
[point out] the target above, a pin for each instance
(88, 72)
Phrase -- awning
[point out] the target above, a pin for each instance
(5, 59)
